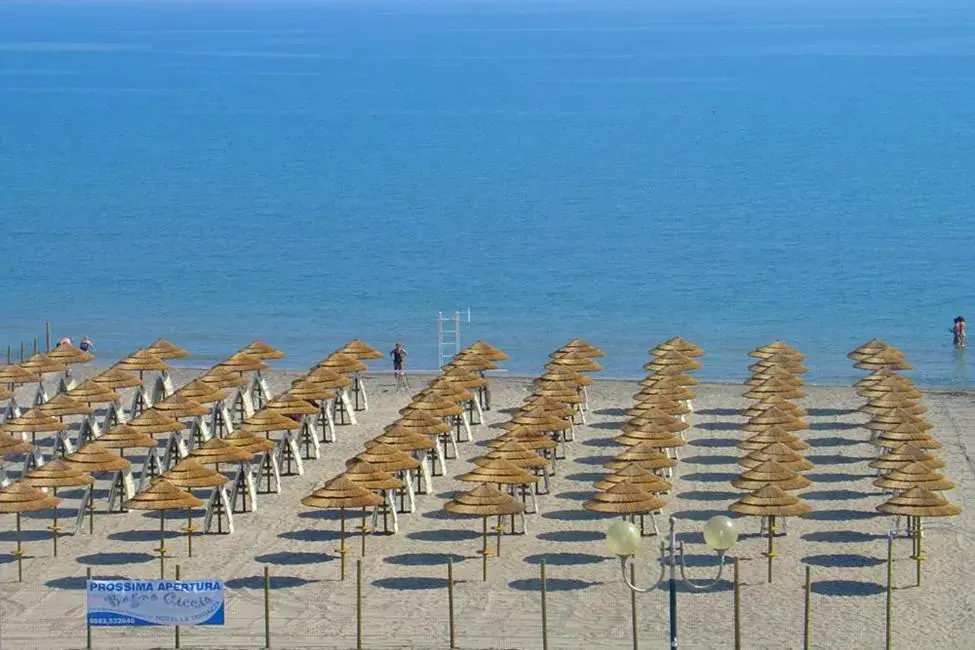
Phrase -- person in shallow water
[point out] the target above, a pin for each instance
(86, 345)
(399, 358)
(958, 331)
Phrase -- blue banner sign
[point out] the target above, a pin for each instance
(155, 602)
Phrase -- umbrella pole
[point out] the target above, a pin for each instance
(189, 532)
(54, 525)
(342, 550)
(484, 551)
(20, 554)
(91, 510)
(919, 533)
(162, 544)
(365, 529)
(500, 529)
(771, 545)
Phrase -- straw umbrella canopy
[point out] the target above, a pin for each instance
(385, 458)
(524, 436)
(464, 379)
(309, 391)
(635, 475)
(240, 362)
(888, 358)
(780, 454)
(189, 473)
(220, 450)
(324, 377)
(432, 405)
(5, 394)
(360, 350)
(913, 474)
(671, 360)
(785, 362)
(868, 349)
(13, 375)
(674, 392)
(558, 392)
(165, 350)
(342, 363)
(141, 361)
(262, 350)
(371, 477)
(220, 378)
(42, 364)
(286, 404)
(774, 416)
(178, 406)
(657, 402)
(891, 384)
(249, 442)
(652, 415)
(770, 501)
(644, 455)
(774, 386)
(906, 453)
(652, 434)
(447, 390)
(623, 498)
(677, 344)
(160, 496)
(574, 360)
(775, 372)
(265, 421)
(536, 420)
(563, 375)
(18, 498)
(469, 362)
(124, 436)
(34, 422)
(891, 420)
(62, 405)
(69, 355)
(12, 446)
(403, 439)
(515, 453)
(94, 459)
(485, 501)
(419, 422)
(905, 433)
(776, 347)
(759, 407)
(770, 436)
(919, 502)
(115, 378)
(202, 392)
(579, 345)
(153, 420)
(498, 471)
(54, 475)
(486, 350)
(552, 407)
(91, 392)
(891, 401)
(770, 473)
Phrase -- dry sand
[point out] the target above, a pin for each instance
(405, 594)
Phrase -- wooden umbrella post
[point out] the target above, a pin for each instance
(737, 597)
(365, 530)
(87, 625)
(499, 529)
(919, 556)
(176, 630)
(544, 608)
(267, 608)
(450, 603)
(805, 619)
(20, 554)
(358, 604)
(342, 549)
(771, 544)
(484, 553)
(91, 511)
(162, 544)
(54, 525)
(189, 532)
(890, 589)
(636, 635)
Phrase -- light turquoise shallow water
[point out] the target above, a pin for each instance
(306, 173)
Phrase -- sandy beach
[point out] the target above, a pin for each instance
(405, 596)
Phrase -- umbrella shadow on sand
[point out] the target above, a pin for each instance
(572, 536)
(116, 559)
(847, 588)
(565, 559)
(423, 559)
(842, 561)
(412, 583)
(277, 582)
(551, 584)
(77, 583)
(841, 537)
(311, 535)
(294, 557)
(445, 535)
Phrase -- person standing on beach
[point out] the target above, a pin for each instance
(65, 340)
(399, 358)
(958, 331)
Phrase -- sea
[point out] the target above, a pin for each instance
(621, 171)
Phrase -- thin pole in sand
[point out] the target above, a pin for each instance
(544, 609)
(805, 618)
(484, 552)
(737, 592)
(499, 529)
(267, 608)
(88, 625)
(54, 524)
(20, 554)
(176, 631)
(890, 588)
(162, 544)
(636, 636)
(919, 557)
(450, 603)
(342, 550)
(358, 604)
(771, 545)
(189, 532)
(365, 530)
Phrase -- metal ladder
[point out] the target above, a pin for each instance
(448, 335)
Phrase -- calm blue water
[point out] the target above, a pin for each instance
(307, 173)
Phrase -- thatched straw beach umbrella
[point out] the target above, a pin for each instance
(160, 496)
(341, 493)
(91, 392)
(913, 475)
(92, 458)
(124, 436)
(141, 361)
(776, 348)
(767, 402)
(61, 406)
(626, 499)
(774, 386)
(69, 355)
(14, 375)
(178, 406)
(771, 502)
(573, 360)
(360, 350)
(889, 358)
(773, 434)
(779, 453)
(915, 504)
(42, 364)
(677, 344)
(220, 378)
(486, 350)
(903, 454)
(54, 475)
(372, 478)
(165, 350)
(645, 455)
(868, 349)
(636, 475)
(774, 416)
(115, 378)
(770, 473)
(485, 501)
(11, 446)
(18, 498)
(261, 350)
(188, 474)
(581, 346)
(240, 363)
(670, 361)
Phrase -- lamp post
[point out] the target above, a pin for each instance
(623, 539)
